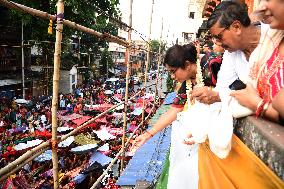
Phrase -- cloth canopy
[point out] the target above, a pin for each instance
(103, 134)
(84, 148)
(46, 156)
(67, 142)
(81, 120)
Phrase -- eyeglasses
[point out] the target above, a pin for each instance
(172, 72)
(219, 36)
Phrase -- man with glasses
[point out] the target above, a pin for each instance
(230, 27)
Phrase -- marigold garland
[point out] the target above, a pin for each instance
(199, 82)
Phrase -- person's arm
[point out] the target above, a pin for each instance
(249, 98)
(205, 95)
(278, 103)
(165, 120)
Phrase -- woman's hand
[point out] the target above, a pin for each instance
(189, 140)
(204, 95)
(247, 97)
(141, 139)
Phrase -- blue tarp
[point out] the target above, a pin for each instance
(79, 178)
(148, 161)
(100, 158)
(170, 98)
(46, 156)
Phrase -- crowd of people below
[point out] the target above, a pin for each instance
(24, 126)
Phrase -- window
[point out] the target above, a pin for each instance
(73, 78)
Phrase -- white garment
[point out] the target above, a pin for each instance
(43, 119)
(234, 66)
(183, 170)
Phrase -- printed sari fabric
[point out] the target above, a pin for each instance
(271, 77)
(241, 169)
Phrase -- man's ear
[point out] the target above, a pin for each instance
(236, 26)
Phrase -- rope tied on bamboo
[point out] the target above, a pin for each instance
(54, 144)
(59, 17)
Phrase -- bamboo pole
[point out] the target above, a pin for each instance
(22, 158)
(159, 62)
(18, 167)
(47, 16)
(148, 60)
(127, 53)
(119, 153)
(5, 170)
(56, 76)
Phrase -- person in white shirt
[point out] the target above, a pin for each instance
(239, 50)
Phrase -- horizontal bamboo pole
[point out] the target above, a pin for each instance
(23, 163)
(29, 153)
(47, 16)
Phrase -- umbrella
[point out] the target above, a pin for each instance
(67, 142)
(46, 156)
(84, 148)
(103, 134)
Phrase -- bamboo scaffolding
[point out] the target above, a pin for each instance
(148, 59)
(47, 16)
(159, 62)
(5, 170)
(127, 53)
(119, 153)
(56, 76)
(30, 155)
(18, 167)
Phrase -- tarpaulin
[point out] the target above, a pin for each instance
(81, 120)
(170, 98)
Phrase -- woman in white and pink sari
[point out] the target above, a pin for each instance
(267, 73)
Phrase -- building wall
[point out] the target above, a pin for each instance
(68, 80)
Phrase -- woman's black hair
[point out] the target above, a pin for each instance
(177, 55)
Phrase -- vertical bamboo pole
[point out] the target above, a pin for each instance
(127, 58)
(159, 62)
(23, 62)
(148, 60)
(56, 75)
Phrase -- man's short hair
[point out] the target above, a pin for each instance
(227, 12)
(208, 44)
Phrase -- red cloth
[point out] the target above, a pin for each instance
(81, 120)
(271, 78)
(119, 96)
(101, 120)
(43, 133)
(148, 110)
(8, 184)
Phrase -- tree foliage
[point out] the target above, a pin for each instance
(155, 44)
(93, 14)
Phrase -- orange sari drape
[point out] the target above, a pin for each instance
(242, 169)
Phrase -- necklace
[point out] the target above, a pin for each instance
(199, 83)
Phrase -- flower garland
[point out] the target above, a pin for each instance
(199, 82)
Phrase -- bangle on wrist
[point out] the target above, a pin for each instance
(259, 108)
(265, 107)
